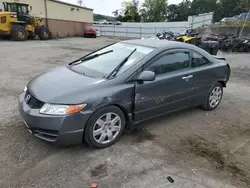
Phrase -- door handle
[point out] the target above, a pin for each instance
(187, 77)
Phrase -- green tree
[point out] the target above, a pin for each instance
(116, 13)
(154, 10)
(157, 10)
(202, 6)
(129, 13)
(184, 10)
(229, 8)
(172, 12)
(241, 6)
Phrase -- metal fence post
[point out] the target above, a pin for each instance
(114, 31)
(192, 24)
(140, 32)
(204, 18)
(155, 31)
(126, 32)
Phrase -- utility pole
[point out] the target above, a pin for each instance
(46, 13)
(80, 2)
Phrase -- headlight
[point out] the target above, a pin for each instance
(55, 109)
(25, 89)
(13, 15)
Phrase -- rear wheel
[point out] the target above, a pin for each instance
(44, 33)
(214, 97)
(19, 33)
(105, 127)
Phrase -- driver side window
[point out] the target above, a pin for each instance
(170, 62)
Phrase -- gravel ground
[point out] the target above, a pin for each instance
(194, 147)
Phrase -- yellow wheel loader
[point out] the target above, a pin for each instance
(18, 24)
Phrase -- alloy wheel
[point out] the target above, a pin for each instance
(107, 128)
(215, 97)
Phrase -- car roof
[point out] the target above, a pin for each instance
(158, 43)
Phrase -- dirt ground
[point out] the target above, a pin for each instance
(196, 148)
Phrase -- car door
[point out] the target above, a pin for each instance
(171, 88)
(203, 77)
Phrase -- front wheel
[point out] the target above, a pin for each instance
(214, 97)
(105, 127)
(19, 33)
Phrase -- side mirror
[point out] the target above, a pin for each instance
(146, 76)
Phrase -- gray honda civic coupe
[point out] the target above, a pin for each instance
(98, 97)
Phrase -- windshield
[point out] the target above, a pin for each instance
(103, 65)
(11, 8)
(20, 8)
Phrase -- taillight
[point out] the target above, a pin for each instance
(3, 19)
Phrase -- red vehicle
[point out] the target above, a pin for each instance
(90, 32)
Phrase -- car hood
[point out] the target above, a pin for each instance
(59, 81)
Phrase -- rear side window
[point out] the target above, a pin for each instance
(170, 62)
(199, 60)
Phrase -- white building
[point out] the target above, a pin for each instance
(64, 19)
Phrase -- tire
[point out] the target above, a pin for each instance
(19, 33)
(214, 91)
(104, 131)
(44, 33)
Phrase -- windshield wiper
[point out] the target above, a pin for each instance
(117, 69)
(89, 58)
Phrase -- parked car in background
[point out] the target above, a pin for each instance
(104, 22)
(90, 32)
(117, 23)
(98, 96)
(228, 19)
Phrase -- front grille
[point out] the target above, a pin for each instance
(32, 101)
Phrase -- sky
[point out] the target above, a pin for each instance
(106, 7)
